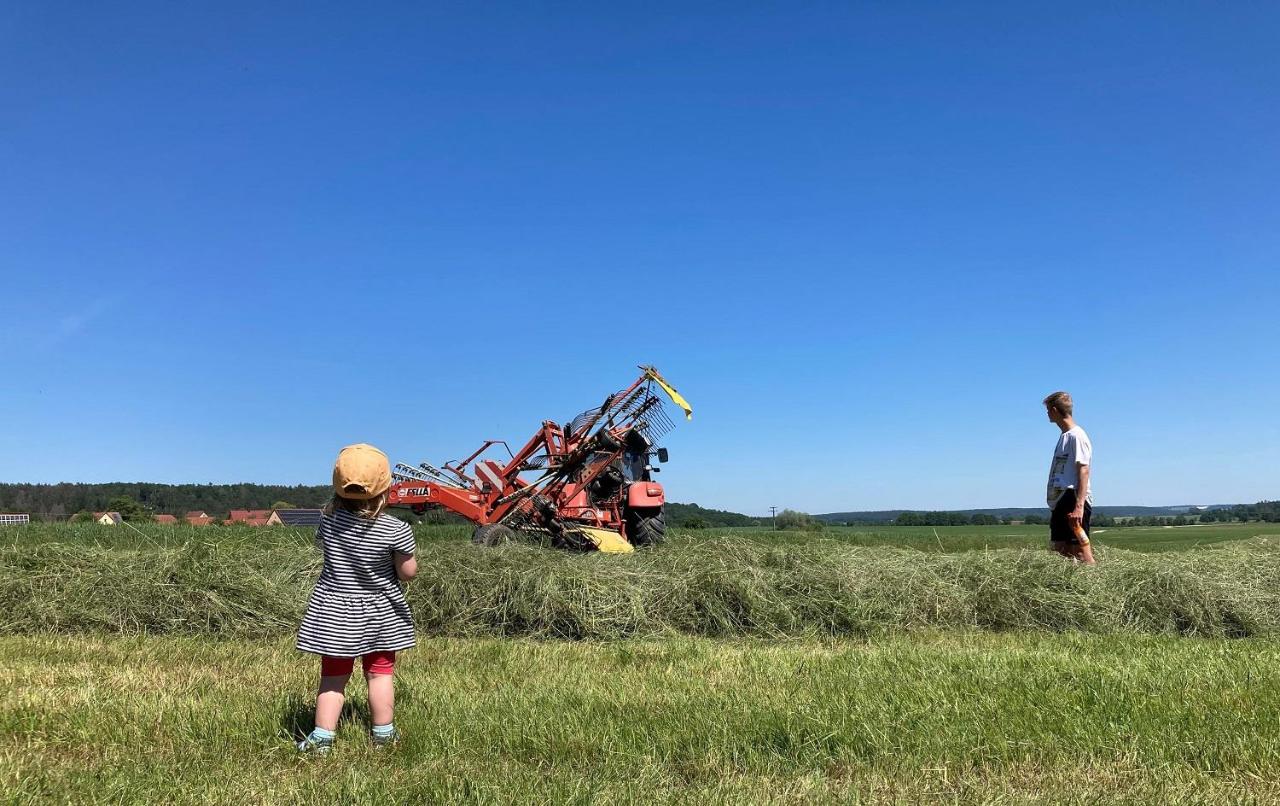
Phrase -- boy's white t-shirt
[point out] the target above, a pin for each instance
(1073, 447)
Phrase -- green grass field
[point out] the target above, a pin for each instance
(968, 718)
(991, 701)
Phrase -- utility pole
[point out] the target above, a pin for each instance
(773, 518)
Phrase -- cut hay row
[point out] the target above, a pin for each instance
(722, 586)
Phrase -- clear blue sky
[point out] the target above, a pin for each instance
(865, 241)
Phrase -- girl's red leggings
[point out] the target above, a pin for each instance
(373, 663)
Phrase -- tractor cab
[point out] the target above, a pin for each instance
(637, 453)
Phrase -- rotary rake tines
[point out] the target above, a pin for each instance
(646, 412)
(536, 522)
(530, 514)
(446, 476)
(587, 420)
(653, 421)
(403, 472)
(610, 411)
(426, 472)
(641, 408)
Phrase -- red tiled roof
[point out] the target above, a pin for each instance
(162, 518)
(247, 515)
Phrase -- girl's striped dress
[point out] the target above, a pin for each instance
(358, 605)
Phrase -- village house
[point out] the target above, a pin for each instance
(198, 517)
(250, 517)
(107, 518)
(163, 518)
(294, 517)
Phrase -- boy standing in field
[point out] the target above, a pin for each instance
(1069, 495)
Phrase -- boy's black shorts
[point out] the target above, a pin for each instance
(1060, 530)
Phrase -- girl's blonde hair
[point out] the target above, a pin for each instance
(369, 508)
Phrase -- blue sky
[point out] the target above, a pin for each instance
(864, 240)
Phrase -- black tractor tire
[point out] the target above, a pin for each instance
(605, 443)
(493, 534)
(646, 527)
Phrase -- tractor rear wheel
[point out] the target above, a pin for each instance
(493, 534)
(647, 526)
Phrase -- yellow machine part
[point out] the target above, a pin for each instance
(675, 396)
(607, 540)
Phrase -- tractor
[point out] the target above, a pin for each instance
(584, 484)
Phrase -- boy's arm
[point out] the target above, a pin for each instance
(1076, 518)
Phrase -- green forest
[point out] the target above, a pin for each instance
(53, 502)
(692, 516)
(57, 502)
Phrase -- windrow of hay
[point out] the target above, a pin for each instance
(721, 586)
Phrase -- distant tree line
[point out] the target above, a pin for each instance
(61, 501)
(692, 516)
(981, 518)
(143, 501)
(1147, 520)
(948, 519)
(1268, 511)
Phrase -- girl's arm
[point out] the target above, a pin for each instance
(402, 549)
(406, 566)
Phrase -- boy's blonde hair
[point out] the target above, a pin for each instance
(369, 508)
(1060, 401)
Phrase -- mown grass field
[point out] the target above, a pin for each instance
(941, 673)
(249, 582)
(924, 538)
(954, 717)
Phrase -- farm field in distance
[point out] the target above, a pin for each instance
(924, 538)
(891, 664)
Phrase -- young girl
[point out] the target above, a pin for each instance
(357, 607)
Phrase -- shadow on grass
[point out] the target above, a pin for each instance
(298, 715)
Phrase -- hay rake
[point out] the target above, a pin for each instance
(586, 484)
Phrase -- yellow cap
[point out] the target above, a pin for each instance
(361, 472)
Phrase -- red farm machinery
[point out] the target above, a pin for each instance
(585, 484)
